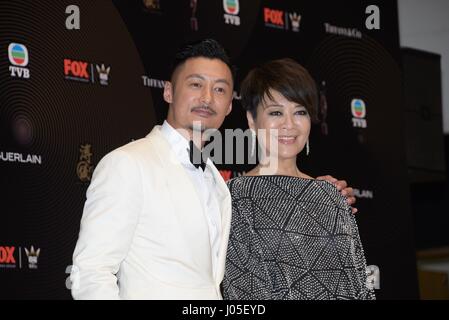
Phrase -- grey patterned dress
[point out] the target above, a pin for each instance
(291, 239)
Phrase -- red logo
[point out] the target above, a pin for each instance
(7, 255)
(226, 174)
(76, 68)
(275, 17)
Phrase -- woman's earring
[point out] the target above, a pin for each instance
(307, 148)
(253, 142)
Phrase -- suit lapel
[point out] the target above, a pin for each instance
(186, 200)
(185, 193)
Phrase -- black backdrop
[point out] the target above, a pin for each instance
(56, 125)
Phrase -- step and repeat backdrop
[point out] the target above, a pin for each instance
(81, 78)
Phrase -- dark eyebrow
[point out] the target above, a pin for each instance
(223, 81)
(198, 76)
(195, 76)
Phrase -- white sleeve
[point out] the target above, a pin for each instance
(111, 213)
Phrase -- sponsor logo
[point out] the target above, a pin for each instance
(232, 8)
(153, 83)
(11, 257)
(103, 74)
(363, 194)
(274, 18)
(83, 71)
(7, 258)
(295, 20)
(341, 31)
(18, 54)
(84, 168)
(281, 19)
(33, 256)
(21, 158)
(18, 57)
(358, 110)
(76, 70)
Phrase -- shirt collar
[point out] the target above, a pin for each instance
(179, 144)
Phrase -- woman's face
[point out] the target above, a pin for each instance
(286, 123)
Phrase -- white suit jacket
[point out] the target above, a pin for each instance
(144, 233)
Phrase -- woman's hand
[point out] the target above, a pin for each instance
(342, 186)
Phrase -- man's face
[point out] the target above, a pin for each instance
(201, 92)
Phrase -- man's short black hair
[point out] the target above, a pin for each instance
(206, 48)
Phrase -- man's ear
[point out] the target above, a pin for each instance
(250, 118)
(168, 92)
(229, 108)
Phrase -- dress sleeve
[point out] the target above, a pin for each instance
(245, 277)
(366, 290)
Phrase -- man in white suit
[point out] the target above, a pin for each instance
(155, 224)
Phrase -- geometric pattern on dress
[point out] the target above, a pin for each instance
(292, 239)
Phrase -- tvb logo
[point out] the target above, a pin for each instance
(18, 57)
(231, 7)
(358, 110)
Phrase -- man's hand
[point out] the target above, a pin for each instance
(342, 186)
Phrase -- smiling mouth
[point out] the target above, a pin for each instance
(287, 139)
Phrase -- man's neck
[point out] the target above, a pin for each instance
(189, 134)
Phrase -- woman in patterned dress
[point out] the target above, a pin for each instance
(292, 236)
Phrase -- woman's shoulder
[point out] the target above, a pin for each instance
(244, 185)
(328, 193)
(235, 182)
(263, 186)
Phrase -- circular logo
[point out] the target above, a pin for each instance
(18, 54)
(231, 6)
(358, 108)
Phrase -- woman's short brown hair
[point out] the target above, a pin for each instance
(287, 77)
